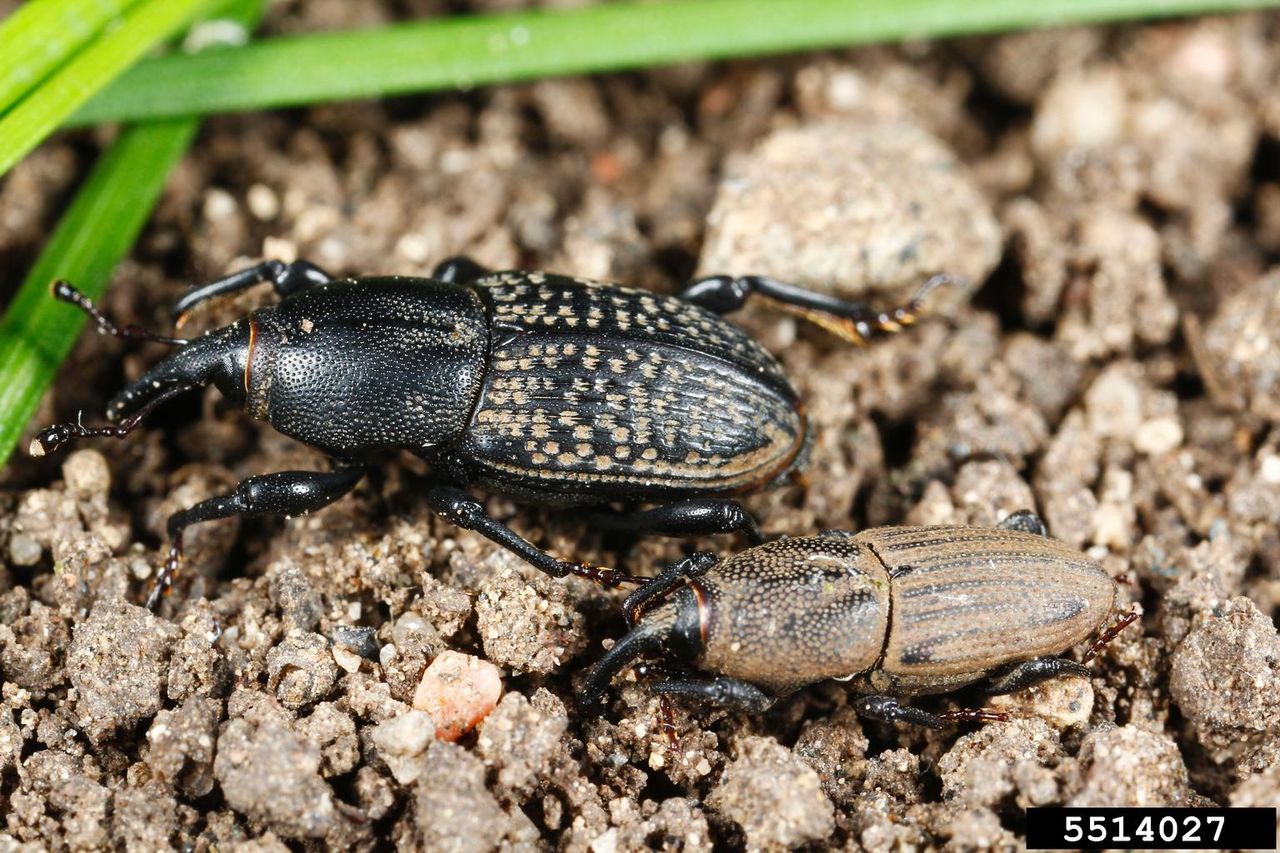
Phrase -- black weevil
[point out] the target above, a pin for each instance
(552, 390)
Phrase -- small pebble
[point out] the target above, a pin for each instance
(24, 551)
(262, 202)
(347, 659)
(218, 204)
(1158, 436)
(402, 740)
(458, 691)
(86, 474)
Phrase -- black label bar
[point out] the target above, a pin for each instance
(1151, 829)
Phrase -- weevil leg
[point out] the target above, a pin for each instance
(728, 693)
(461, 508)
(1031, 672)
(1024, 521)
(660, 585)
(650, 670)
(887, 709)
(284, 278)
(459, 270)
(853, 321)
(1110, 634)
(974, 715)
(287, 493)
(693, 517)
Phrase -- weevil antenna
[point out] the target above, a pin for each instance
(51, 438)
(64, 292)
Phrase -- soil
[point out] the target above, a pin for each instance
(1113, 198)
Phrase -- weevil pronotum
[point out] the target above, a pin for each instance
(551, 390)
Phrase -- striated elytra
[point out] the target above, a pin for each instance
(896, 611)
(551, 390)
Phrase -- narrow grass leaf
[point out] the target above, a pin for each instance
(461, 52)
(48, 105)
(40, 36)
(97, 230)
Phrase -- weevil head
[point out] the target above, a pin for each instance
(674, 628)
(218, 358)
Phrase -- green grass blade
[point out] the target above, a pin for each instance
(48, 105)
(97, 231)
(41, 35)
(470, 51)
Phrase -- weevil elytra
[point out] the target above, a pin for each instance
(551, 390)
(896, 611)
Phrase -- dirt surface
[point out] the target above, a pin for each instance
(1113, 195)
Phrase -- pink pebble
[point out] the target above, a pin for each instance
(458, 691)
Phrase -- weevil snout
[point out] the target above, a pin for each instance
(218, 358)
(675, 626)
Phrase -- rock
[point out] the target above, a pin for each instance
(978, 829)
(453, 811)
(10, 741)
(297, 599)
(358, 640)
(775, 797)
(995, 761)
(334, 733)
(1127, 301)
(1238, 352)
(24, 551)
(1065, 478)
(527, 625)
(1084, 110)
(1130, 767)
(836, 748)
(1225, 678)
(301, 669)
(83, 802)
(458, 691)
(678, 826)
(270, 774)
(118, 661)
(198, 666)
(402, 741)
(86, 474)
(520, 738)
(852, 209)
(32, 645)
(1114, 402)
(181, 745)
(143, 820)
(1060, 702)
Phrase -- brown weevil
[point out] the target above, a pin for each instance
(897, 611)
(551, 390)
